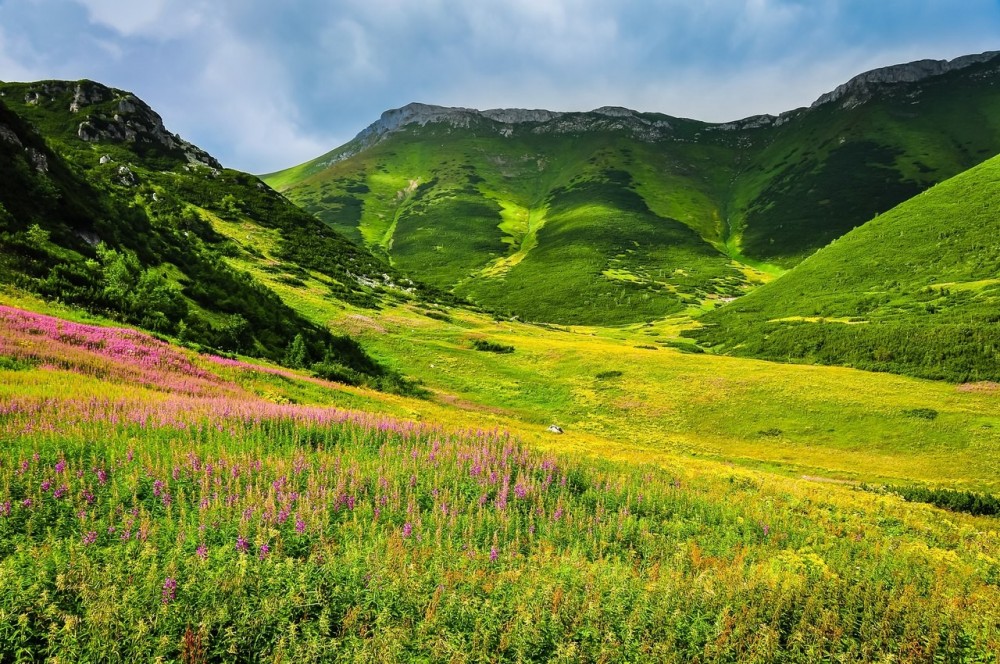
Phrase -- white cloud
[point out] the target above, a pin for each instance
(351, 54)
(149, 18)
(13, 65)
(244, 98)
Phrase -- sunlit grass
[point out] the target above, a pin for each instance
(138, 522)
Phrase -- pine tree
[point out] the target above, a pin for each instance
(296, 354)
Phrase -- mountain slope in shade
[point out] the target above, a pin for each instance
(616, 216)
(105, 209)
(914, 291)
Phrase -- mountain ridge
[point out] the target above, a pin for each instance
(421, 114)
(131, 121)
(104, 209)
(464, 198)
(911, 72)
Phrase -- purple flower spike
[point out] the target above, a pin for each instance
(407, 529)
(169, 590)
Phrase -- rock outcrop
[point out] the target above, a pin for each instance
(509, 122)
(423, 114)
(115, 116)
(860, 88)
(38, 160)
(7, 135)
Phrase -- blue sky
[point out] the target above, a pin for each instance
(264, 84)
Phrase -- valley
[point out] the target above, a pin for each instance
(506, 385)
(639, 215)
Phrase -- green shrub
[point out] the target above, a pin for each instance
(921, 413)
(978, 504)
(491, 347)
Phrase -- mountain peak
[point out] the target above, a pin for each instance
(106, 114)
(422, 114)
(859, 89)
(508, 121)
(614, 111)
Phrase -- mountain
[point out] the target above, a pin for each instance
(617, 216)
(914, 291)
(568, 218)
(102, 207)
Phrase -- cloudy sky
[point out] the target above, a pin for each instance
(263, 84)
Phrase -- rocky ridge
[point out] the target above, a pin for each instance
(115, 116)
(863, 86)
(647, 127)
(510, 121)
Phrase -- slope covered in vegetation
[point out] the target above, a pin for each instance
(104, 209)
(188, 519)
(551, 227)
(616, 216)
(914, 291)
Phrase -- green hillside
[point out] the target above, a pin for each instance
(834, 166)
(614, 216)
(425, 480)
(578, 227)
(104, 209)
(914, 291)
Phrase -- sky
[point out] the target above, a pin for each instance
(266, 84)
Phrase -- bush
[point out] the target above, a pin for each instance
(922, 413)
(977, 504)
(491, 347)
(335, 372)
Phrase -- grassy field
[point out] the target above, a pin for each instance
(640, 391)
(159, 504)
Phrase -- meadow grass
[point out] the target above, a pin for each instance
(800, 419)
(817, 420)
(138, 522)
(803, 419)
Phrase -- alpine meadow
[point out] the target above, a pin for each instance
(506, 385)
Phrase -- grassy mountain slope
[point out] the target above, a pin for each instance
(614, 216)
(832, 167)
(104, 209)
(914, 291)
(579, 227)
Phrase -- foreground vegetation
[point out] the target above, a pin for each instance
(156, 503)
(152, 506)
